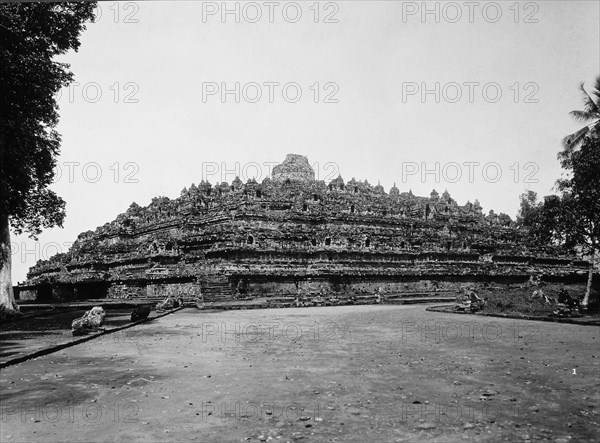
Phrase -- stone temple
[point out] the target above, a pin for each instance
(293, 237)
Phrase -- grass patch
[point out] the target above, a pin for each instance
(518, 300)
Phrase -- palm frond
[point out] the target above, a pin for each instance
(567, 152)
(573, 141)
(596, 90)
(589, 105)
(582, 116)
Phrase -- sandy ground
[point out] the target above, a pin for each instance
(349, 373)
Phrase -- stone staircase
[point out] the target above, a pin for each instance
(215, 290)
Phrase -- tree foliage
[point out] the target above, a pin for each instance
(31, 36)
(544, 219)
(581, 194)
(572, 218)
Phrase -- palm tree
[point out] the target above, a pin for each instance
(589, 115)
(571, 144)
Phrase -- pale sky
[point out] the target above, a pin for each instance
(507, 74)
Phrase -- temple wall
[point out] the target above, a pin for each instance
(149, 289)
(127, 291)
(164, 290)
(265, 287)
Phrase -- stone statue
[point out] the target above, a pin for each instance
(241, 287)
(476, 303)
(566, 305)
(166, 304)
(468, 299)
(539, 293)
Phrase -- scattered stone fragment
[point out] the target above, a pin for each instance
(140, 313)
(89, 322)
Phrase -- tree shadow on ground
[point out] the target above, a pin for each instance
(49, 329)
(65, 380)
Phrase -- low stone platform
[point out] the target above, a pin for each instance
(35, 308)
(584, 320)
(291, 302)
(44, 332)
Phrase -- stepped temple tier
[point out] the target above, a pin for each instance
(293, 238)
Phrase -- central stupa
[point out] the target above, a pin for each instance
(294, 168)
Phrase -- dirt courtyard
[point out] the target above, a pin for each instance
(349, 373)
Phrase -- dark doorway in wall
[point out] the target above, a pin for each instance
(44, 293)
(84, 291)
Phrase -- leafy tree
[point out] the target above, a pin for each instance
(581, 203)
(528, 209)
(572, 219)
(581, 192)
(31, 35)
(542, 219)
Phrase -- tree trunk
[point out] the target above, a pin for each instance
(588, 289)
(7, 296)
